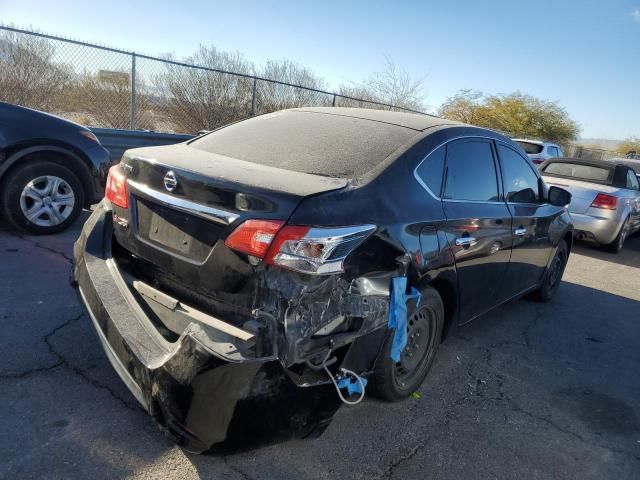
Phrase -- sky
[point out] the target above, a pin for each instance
(583, 54)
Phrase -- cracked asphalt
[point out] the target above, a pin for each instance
(529, 391)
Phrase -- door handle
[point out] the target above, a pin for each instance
(466, 241)
(520, 231)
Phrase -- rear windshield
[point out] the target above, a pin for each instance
(317, 143)
(579, 171)
(531, 147)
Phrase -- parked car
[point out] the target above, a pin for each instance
(605, 205)
(629, 162)
(539, 151)
(236, 281)
(50, 169)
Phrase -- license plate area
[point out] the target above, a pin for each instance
(175, 231)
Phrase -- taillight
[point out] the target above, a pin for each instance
(116, 189)
(313, 250)
(254, 237)
(602, 200)
(537, 161)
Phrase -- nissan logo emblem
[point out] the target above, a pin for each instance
(170, 181)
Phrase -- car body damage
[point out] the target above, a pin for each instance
(218, 384)
(241, 290)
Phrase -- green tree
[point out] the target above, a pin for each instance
(631, 144)
(515, 114)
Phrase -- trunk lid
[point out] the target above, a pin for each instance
(582, 193)
(184, 203)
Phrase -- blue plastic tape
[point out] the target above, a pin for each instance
(352, 384)
(398, 314)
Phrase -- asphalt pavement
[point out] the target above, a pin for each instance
(530, 391)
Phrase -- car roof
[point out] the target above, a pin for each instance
(584, 161)
(537, 142)
(414, 121)
(619, 169)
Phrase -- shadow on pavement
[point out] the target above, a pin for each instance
(629, 256)
(552, 387)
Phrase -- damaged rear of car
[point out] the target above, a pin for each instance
(237, 280)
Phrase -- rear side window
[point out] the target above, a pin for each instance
(579, 171)
(519, 180)
(632, 179)
(531, 148)
(431, 169)
(470, 172)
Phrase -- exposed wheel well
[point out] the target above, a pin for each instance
(449, 299)
(61, 157)
(568, 237)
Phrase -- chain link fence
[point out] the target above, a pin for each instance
(105, 87)
(578, 151)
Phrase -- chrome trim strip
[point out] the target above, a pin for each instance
(499, 173)
(210, 213)
(415, 170)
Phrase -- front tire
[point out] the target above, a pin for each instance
(396, 381)
(41, 197)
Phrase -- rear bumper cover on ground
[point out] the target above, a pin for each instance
(210, 399)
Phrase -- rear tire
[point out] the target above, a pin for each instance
(396, 381)
(618, 243)
(41, 197)
(553, 274)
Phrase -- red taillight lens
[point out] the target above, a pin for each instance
(289, 233)
(314, 250)
(602, 200)
(254, 237)
(537, 161)
(116, 189)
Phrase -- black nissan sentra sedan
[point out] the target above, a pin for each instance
(240, 281)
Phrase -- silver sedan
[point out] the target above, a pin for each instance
(605, 203)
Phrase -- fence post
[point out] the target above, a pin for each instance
(253, 98)
(334, 100)
(132, 114)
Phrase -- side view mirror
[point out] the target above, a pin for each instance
(559, 197)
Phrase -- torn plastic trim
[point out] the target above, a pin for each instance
(189, 314)
(113, 358)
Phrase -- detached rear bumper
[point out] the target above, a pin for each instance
(205, 392)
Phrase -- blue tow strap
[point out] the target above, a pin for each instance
(398, 314)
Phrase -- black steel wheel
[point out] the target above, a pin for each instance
(553, 275)
(394, 381)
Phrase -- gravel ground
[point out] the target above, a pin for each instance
(529, 391)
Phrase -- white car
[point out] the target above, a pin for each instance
(539, 151)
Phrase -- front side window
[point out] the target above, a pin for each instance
(431, 169)
(470, 172)
(519, 180)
